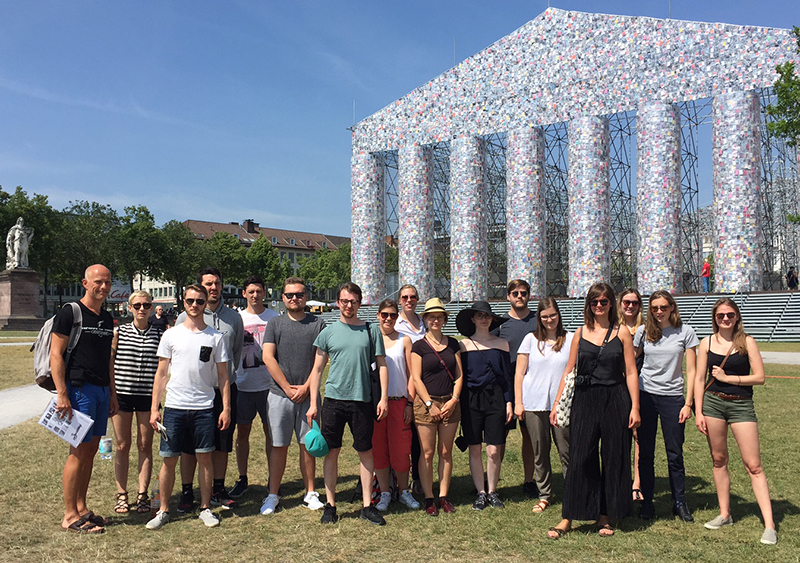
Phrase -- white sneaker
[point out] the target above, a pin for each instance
(270, 505)
(383, 504)
(208, 518)
(312, 501)
(158, 520)
(408, 500)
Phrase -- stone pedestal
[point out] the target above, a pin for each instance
(19, 300)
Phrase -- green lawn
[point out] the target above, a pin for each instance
(16, 366)
(30, 494)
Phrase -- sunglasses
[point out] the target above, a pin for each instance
(519, 293)
(385, 315)
(601, 302)
(409, 298)
(629, 303)
(722, 316)
(199, 301)
(296, 295)
(659, 308)
(144, 306)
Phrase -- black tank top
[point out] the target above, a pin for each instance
(610, 368)
(736, 365)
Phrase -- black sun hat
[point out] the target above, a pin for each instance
(464, 322)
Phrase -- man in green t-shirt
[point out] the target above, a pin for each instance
(352, 346)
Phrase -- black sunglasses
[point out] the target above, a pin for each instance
(145, 306)
(296, 295)
(199, 301)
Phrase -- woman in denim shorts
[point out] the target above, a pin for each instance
(734, 365)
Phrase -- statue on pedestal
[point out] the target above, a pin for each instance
(18, 241)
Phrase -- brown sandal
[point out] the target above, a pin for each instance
(122, 506)
(142, 503)
(540, 506)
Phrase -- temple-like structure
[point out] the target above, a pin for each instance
(478, 163)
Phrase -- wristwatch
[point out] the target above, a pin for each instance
(428, 404)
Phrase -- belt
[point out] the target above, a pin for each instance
(397, 398)
(443, 398)
(728, 396)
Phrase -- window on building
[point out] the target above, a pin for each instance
(274, 240)
(291, 257)
(324, 244)
(291, 241)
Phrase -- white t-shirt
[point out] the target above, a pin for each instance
(545, 368)
(396, 365)
(193, 374)
(662, 371)
(252, 374)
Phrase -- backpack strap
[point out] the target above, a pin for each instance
(75, 332)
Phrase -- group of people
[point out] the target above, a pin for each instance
(404, 388)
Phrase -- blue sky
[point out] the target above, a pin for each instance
(230, 110)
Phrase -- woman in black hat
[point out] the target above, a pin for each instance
(486, 399)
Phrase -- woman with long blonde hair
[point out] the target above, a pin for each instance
(665, 341)
(734, 365)
(629, 312)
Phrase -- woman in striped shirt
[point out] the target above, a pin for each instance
(135, 363)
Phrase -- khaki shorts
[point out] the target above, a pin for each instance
(741, 410)
(421, 415)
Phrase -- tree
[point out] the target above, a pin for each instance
(88, 236)
(137, 238)
(786, 110)
(326, 269)
(227, 254)
(177, 256)
(263, 260)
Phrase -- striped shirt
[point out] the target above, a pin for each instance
(136, 361)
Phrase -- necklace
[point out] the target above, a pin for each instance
(437, 342)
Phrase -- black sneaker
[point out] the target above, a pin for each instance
(531, 490)
(494, 500)
(371, 515)
(186, 503)
(329, 515)
(239, 488)
(223, 500)
(648, 511)
(481, 503)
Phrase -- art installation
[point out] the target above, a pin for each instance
(566, 66)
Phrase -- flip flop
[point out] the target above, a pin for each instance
(96, 520)
(637, 494)
(84, 526)
(559, 532)
(609, 531)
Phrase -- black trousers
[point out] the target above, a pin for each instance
(599, 477)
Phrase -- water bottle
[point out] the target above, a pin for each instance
(155, 502)
(105, 448)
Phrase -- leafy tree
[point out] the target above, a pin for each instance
(392, 260)
(137, 238)
(177, 256)
(227, 254)
(89, 236)
(263, 260)
(786, 110)
(326, 269)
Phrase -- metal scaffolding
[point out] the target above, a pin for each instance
(556, 153)
(622, 129)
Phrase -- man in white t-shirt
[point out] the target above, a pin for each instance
(187, 356)
(252, 378)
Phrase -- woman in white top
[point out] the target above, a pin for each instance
(410, 323)
(391, 437)
(665, 341)
(541, 360)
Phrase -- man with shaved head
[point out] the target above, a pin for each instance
(84, 383)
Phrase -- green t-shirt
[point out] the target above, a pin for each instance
(349, 350)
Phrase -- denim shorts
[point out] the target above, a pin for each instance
(185, 427)
(93, 401)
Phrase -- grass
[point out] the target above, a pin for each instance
(779, 346)
(16, 366)
(27, 335)
(31, 484)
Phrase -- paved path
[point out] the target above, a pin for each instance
(22, 403)
(16, 344)
(790, 358)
